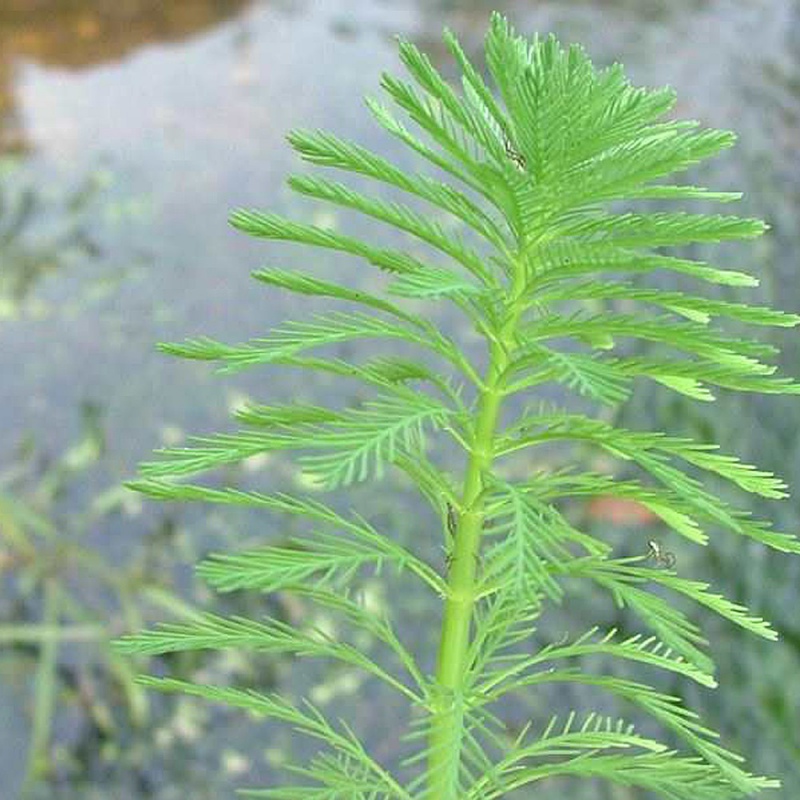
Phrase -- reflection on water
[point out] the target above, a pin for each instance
(81, 35)
(182, 108)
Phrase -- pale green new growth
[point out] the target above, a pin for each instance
(518, 235)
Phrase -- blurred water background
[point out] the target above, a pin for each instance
(128, 130)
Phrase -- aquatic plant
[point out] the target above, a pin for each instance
(40, 232)
(59, 595)
(528, 241)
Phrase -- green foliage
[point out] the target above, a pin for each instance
(539, 269)
(46, 611)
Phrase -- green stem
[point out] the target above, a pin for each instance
(45, 691)
(462, 584)
(38, 634)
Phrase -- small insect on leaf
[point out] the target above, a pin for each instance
(452, 520)
(515, 156)
(661, 557)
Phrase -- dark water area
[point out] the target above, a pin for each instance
(128, 131)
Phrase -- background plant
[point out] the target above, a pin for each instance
(62, 603)
(30, 250)
(540, 266)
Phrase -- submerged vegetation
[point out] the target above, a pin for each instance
(528, 242)
(30, 249)
(59, 595)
